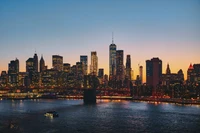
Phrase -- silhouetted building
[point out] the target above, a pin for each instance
(197, 72)
(57, 62)
(128, 67)
(94, 63)
(33, 75)
(153, 73)
(4, 78)
(168, 71)
(13, 71)
(35, 64)
(66, 67)
(30, 65)
(42, 64)
(101, 73)
(84, 60)
(172, 78)
(141, 73)
(112, 59)
(190, 73)
(120, 65)
(193, 73)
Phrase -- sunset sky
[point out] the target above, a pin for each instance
(168, 29)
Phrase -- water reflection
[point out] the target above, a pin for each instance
(105, 116)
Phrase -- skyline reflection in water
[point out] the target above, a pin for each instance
(105, 116)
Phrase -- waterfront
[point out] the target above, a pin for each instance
(106, 116)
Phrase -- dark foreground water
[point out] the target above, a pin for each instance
(104, 117)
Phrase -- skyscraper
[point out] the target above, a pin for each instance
(112, 59)
(128, 67)
(120, 64)
(168, 71)
(57, 62)
(153, 72)
(94, 63)
(30, 65)
(84, 60)
(66, 67)
(101, 73)
(193, 73)
(42, 64)
(35, 62)
(141, 74)
(13, 70)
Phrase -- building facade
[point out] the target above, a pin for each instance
(84, 60)
(112, 59)
(94, 63)
(13, 72)
(128, 67)
(120, 65)
(57, 62)
(153, 73)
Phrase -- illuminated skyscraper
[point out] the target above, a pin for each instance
(141, 73)
(79, 70)
(35, 62)
(112, 59)
(193, 73)
(13, 71)
(42, 64)
(29, 65)
(120, 65)
(66, 67)
(94, 63)
(153, 72)
(128, 67)
(84, 60)
(57, 62)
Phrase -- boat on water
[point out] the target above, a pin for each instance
(51, 114)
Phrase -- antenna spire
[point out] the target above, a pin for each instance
(112, 38)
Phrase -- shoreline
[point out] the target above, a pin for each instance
(175, 101)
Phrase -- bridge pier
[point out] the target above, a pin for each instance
(89, 96)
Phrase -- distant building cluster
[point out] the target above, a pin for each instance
(65, 75)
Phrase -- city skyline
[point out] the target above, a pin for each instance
(168, 30)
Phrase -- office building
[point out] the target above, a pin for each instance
(112, 59)
(128, 67)
(13, 71)
(120, 65)
(66, 67)
(153, 73)
(35, 64)
(94, 63)
(84, 60)
(57, 62)
(141, 73)
(42, 64)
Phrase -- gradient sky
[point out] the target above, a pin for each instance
(168, 29)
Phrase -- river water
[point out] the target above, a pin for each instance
(27, 116)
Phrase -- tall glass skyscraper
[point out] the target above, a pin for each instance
(84, 60)
(112, 59)
(120, 65)
(128, 67)
(94, 63)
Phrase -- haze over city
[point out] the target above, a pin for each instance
(144, 29)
